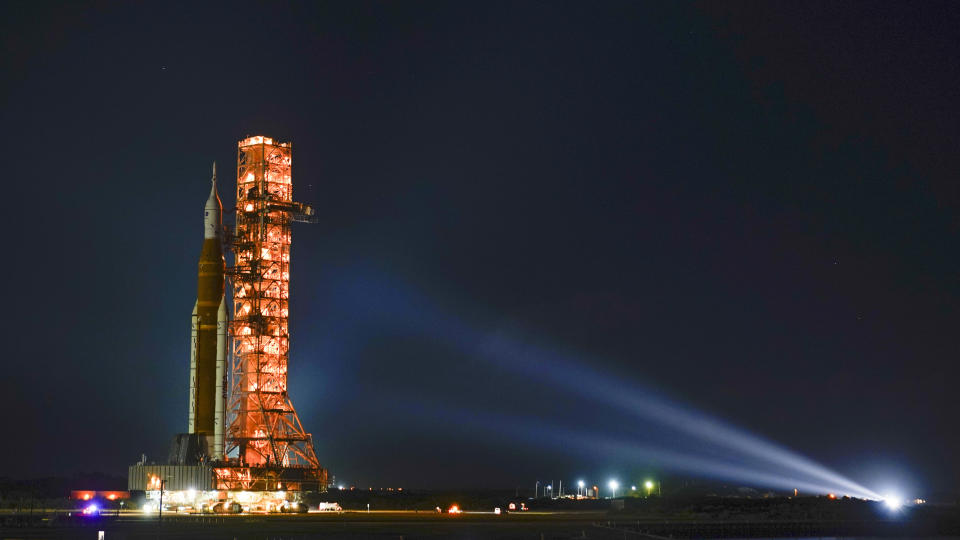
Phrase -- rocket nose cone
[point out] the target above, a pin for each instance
(212, 212)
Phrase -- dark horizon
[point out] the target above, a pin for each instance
(750, 209)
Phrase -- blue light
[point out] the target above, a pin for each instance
(723, 450)
(588, 444)
(644, 403)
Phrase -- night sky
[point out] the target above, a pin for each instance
(750, 208)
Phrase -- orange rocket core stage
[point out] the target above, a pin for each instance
(209, 297)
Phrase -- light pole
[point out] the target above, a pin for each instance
(580, 489)
(613, 488)
(649, 485)
(163, 482)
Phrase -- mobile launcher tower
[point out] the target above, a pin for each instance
(245, 446)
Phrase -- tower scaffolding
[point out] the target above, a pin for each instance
(267, 446)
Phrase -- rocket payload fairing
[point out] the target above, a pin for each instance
(208, 332)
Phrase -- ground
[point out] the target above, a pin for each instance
(413, 525)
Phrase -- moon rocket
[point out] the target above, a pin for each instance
(208, 332)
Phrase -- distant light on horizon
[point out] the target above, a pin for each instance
(893, 501)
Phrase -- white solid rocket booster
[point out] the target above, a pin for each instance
(219, 416)
(192, 414)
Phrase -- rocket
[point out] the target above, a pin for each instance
(208, 332)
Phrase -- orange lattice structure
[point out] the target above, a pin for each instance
(266, 443)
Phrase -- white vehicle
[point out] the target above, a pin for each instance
(329, 507)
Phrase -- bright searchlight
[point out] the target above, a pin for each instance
(893, 502)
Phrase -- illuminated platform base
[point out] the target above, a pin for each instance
(225, 477)
(225, 487)
(224, 502)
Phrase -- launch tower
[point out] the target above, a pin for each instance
(245, 448)
(264, 435)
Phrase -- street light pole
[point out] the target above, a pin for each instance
(163, 482)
